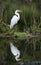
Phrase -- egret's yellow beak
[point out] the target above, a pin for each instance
(20, 10)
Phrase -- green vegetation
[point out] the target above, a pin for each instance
(30, 18)
(28, 26)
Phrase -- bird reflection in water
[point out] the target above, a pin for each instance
(15, 51)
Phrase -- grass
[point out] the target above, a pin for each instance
(22, 34)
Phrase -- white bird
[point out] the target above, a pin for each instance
(15, 51)
(15, 18)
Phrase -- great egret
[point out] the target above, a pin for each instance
(15, 18)
(15, 51)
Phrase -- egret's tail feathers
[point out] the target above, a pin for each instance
(11, 45)
(11, 27)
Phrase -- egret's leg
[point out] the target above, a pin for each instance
(12, 31)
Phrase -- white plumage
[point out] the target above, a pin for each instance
(15, 19)
(15, 51)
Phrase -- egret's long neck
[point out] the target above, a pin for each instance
(17, 14)
(17, 58)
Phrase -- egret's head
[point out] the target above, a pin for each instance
(17, 11)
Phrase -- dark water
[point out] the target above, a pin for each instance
(31, 63)
(30, 51)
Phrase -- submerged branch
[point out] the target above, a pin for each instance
(19, 35)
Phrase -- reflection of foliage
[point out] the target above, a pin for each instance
(30, 21)
(27, 49)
